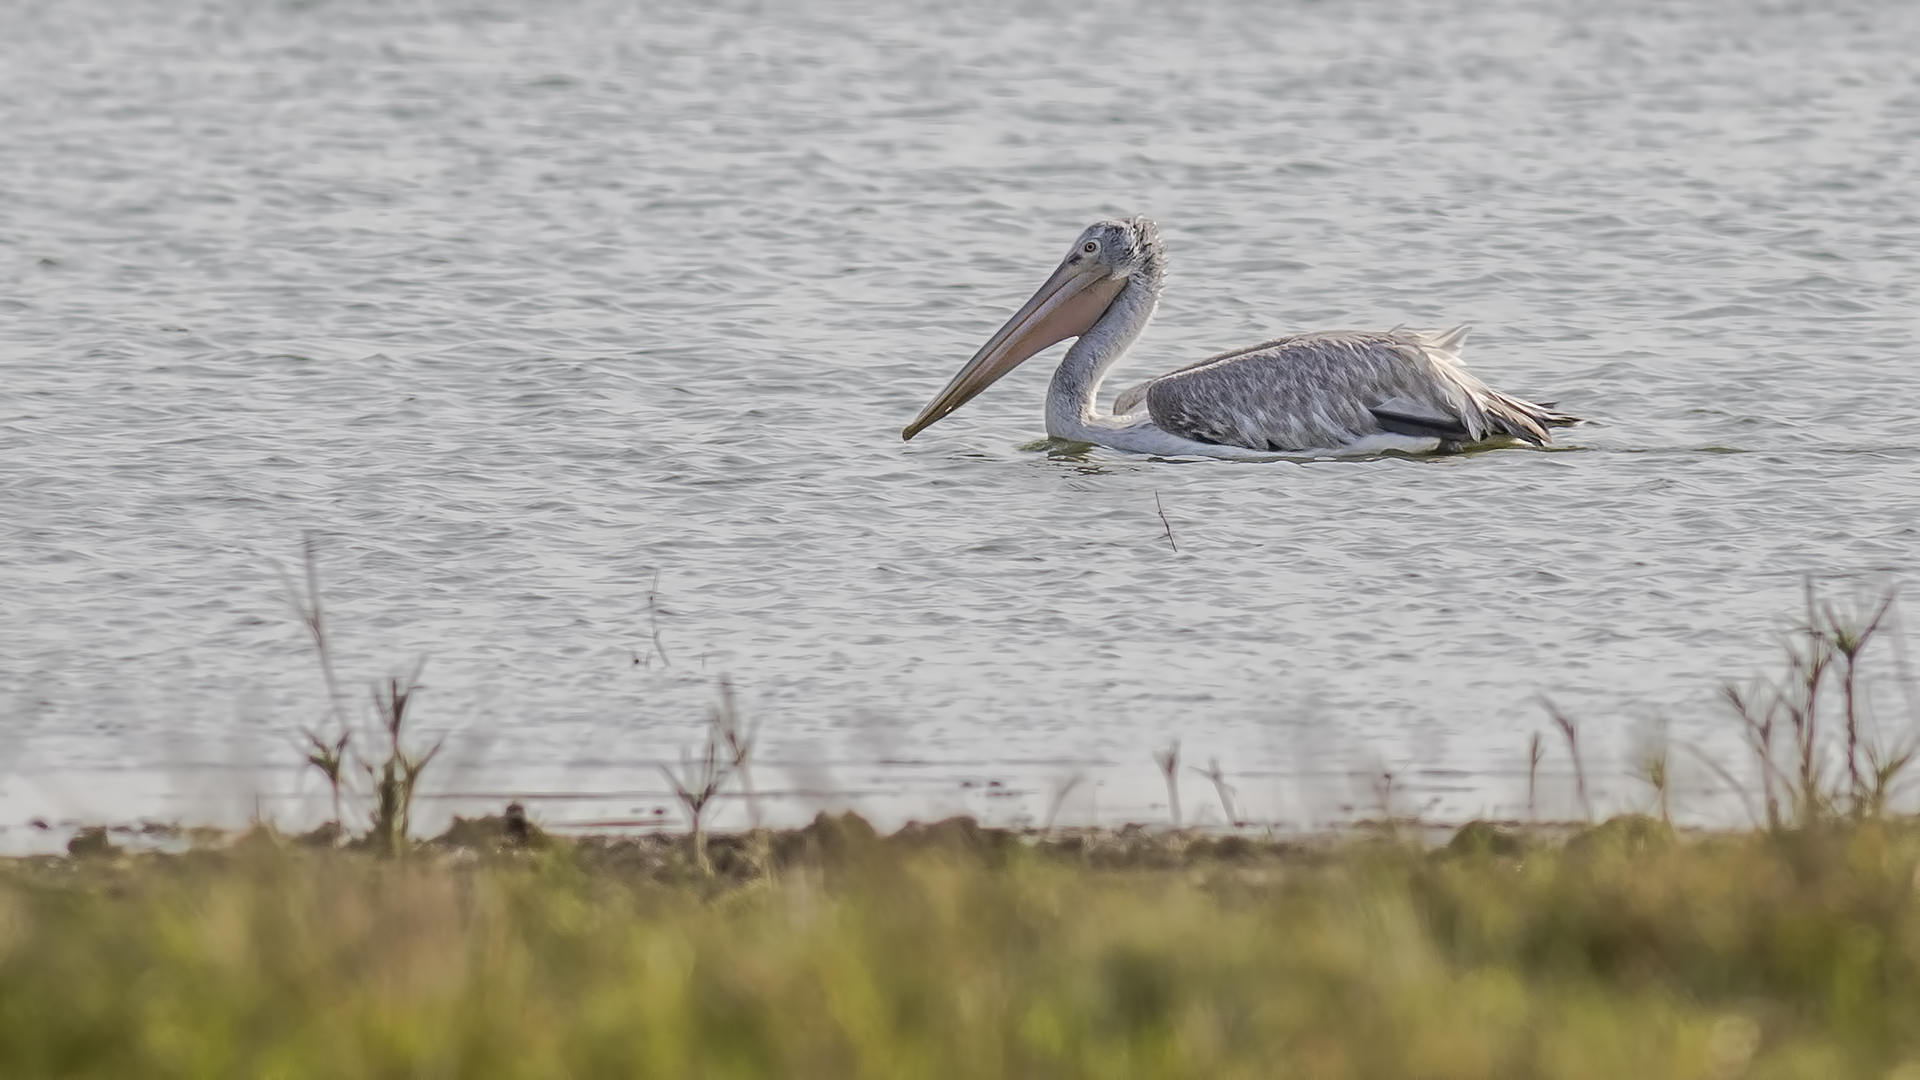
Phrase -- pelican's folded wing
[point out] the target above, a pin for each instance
(1328, 390)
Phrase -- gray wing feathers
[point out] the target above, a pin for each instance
(1315, 391)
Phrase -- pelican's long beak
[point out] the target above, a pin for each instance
(1071, 301)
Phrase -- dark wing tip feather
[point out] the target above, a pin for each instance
(1419, 427)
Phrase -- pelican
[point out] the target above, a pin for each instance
(1328, 393)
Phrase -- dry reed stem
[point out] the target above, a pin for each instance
(1169, 762)
(1571, 733)
(1221, 788)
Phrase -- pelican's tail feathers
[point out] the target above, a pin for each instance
(1523, 419)
(1450, 339)
(1551, 417)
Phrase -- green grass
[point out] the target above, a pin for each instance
(957, 951)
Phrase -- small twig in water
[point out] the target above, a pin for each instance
(653, 617)
(1165, 523)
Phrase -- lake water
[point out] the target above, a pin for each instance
(530, 313)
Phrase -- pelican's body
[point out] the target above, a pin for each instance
(1323, 393)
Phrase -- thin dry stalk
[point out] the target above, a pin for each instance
(1655, 767)
(1169, 762)
(1220, 788)
(1726, 778)
(1825, 659)
(1383, 796)
(1884, 766)
(1571, 732)
(1808, 668)
(1759, 727)
(1847, 635)
(1534, 753)
(397, 779)
(313, 616)
(328, 756)
(1060, 793)
(739, 741)
(696, 785)
(330, 759)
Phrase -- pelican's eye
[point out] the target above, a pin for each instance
(1090, 246)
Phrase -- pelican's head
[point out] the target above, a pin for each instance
(1123, 247)
(1082, 287)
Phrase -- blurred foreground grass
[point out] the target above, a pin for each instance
(1623, 950)
(958, 951)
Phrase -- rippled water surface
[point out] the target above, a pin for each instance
(534, 312)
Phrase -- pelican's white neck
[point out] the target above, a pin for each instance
(1076, 382)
